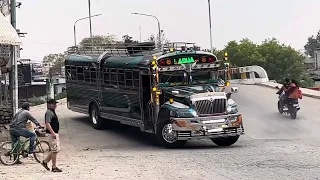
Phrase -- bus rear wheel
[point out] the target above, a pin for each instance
(166, 137)
(96, 120)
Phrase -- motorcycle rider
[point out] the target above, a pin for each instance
(285, 85)
(292, 93)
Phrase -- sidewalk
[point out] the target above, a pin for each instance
(305, 92)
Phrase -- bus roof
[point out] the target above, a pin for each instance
(122, 55)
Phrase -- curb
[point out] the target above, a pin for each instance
(304, 94)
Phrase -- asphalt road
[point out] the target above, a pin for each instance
(274, 147)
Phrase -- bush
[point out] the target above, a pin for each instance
(61, 95)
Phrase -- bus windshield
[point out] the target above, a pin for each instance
(182, 77)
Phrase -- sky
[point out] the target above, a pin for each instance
(49, 23)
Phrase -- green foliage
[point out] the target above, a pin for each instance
(155, 39)
(61, 95)
(279, 60)
(312, 43)
(55, 62)
(128, 39)
(98, 40)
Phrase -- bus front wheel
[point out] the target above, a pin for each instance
(166, 137)
(96, 120)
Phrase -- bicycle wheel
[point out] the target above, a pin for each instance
(42, 149)
(8, 156)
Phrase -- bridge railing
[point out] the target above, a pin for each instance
(247, 75)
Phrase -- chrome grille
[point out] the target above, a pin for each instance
(215, 106)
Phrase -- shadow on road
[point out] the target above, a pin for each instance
(141, 139)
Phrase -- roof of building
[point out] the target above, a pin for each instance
(8, 35)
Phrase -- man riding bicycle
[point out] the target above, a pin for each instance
(18, 126)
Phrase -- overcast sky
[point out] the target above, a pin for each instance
(49, 23)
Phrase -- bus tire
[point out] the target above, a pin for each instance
(96, 120)
(228, 141)
(160, 136)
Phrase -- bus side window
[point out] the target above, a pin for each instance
(80, 75)
(113, 78)
(128, 76)
(68, 72)
(136, 78)
(73, 73)
(106, 76)
(93, 73)
(86, 74)
(120, 77)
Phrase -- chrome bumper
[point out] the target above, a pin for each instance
(208, 127)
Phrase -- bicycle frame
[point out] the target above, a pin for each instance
(21, 144)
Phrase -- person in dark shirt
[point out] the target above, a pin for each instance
(52, 125)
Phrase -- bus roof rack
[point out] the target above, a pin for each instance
(180, 46)
(117, 49)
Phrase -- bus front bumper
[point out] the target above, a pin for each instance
(212, 127)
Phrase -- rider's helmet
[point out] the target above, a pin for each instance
(287, 80)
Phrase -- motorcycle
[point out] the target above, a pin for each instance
(291, 108)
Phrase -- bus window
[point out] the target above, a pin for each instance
(129, 79)
(73, 73)
(80, 74)
(172, 77)
(201, 75)
(106, 76)
(121, 77)
(136, 78)
(86, 74)
(113, 73)
(93, 74)
(68, 72)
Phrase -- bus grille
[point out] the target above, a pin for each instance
(206, 107)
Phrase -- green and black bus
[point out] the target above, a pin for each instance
(173, 92)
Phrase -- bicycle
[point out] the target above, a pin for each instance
(19, 148)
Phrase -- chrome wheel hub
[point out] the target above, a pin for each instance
(94, 116)
(168, 134)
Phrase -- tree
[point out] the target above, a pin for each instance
(244, 53)
(163, 39)
(152, 38)
(55, 62)
(312, 43)
(279, 60)
(128, 39)
(98, 40)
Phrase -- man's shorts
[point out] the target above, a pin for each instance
(54, 143)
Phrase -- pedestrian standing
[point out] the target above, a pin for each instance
(52, 125)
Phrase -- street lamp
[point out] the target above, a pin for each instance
(158, 24)
(74, 27)
(210, 24)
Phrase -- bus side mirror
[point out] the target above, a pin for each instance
(234, 89)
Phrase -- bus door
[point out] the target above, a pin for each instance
(145, 97)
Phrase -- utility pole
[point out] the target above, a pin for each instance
(140, 32)
(89, 4)
(159, 29)
(210, 25)
(13, 75)
(74, 27)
